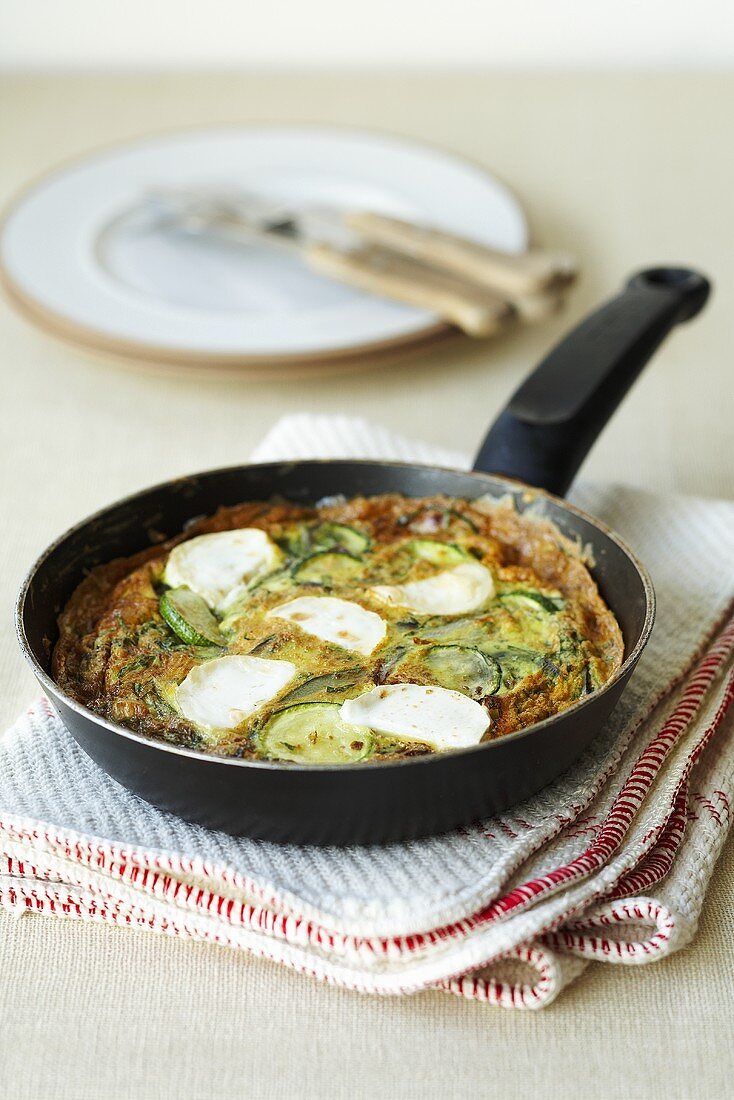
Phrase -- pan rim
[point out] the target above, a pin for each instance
(513, 485)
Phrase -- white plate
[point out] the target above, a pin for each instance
(72, 255)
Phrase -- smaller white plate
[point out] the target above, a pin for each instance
(78, 258)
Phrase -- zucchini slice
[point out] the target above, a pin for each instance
(159, 705)
(264, 643)
(587, 684)
(189, 618)
(164, 696)
(328, 567)
(330, 536)
(461, 668)
(314, 733)
(391, 660)
(570, 650)
(447, 516)
(331, 683)
(525, 599)
(444, 554)
(239, 601)
(274, 581)
(516, 665)
(294, 541)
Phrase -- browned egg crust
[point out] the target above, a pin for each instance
(114, 646)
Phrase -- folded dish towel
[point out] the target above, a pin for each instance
(608, 864)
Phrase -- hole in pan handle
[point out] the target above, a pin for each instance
(553, 419)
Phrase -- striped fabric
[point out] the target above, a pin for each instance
(610, 864)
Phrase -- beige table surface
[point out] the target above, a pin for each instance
(625, 170)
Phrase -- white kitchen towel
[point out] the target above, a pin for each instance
(610, 863)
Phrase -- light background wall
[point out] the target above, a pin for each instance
(232, 33)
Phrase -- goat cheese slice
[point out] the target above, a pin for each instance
(466, 587)
(220, 694)
(215, 565)
(441, 718)
(342, 622)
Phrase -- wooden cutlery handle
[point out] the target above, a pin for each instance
(539, 306)
(527, 273)
(379, 271)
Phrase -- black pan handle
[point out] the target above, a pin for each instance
(552, 421)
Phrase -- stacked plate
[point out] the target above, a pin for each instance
(77, 260)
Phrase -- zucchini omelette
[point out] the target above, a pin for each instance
(372, 628)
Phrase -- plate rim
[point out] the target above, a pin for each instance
(90, 337)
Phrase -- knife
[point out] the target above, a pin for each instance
(341, 247)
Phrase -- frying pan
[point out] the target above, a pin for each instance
(539, 440)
